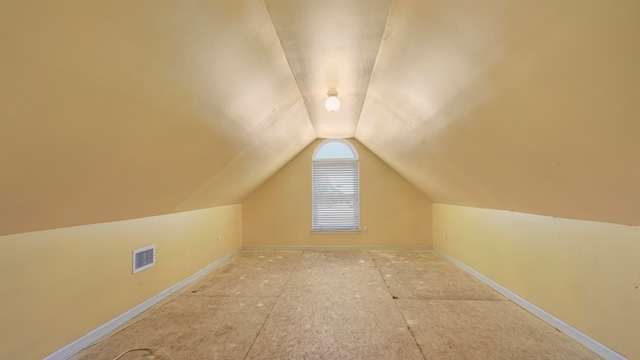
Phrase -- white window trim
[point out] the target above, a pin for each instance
(355, 228)
(345, 142)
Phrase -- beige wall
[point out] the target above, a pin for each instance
(279, 212)
(587, 274)
(58, 285)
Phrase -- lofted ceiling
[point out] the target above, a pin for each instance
(119, 110)
(331, 45)
(530, 106)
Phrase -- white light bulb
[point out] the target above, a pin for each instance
(332, 104)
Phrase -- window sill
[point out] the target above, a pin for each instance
(336, 231)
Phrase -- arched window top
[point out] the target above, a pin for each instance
(334, 149)
(335, 187)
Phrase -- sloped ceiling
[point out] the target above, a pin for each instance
(331, 45)
(114, 110)
(119, 110)
(530, 106)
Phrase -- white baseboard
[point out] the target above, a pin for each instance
(334, 248)
(88, 339)
(572, 332)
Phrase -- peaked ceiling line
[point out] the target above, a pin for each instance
(383, 37)
(331, 45)
(266, 9)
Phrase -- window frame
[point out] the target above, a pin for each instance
(342, 164)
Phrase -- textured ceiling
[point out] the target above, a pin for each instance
(116, 110)
(530, 106)
(119, 110)
(331, 45)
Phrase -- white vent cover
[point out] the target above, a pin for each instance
(144, 258)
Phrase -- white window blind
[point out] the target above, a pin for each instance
(336, 195)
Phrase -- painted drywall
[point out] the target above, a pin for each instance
(521, 105)
(278, 214)
(59, 285)
(331, 45)
(587, 274)
(526, 105)
(170, 105)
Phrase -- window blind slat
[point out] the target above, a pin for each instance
(336, 195)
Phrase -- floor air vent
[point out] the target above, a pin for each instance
(144, 258)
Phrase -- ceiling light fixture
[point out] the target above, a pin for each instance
(332, 104)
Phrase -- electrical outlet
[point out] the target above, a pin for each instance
(366, 230)
(218, 239)
(445, 235)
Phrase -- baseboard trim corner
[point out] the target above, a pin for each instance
(567, 329)
(103, 330)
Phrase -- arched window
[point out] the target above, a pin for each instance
(335, 187)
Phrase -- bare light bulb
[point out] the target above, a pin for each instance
(332, 104)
